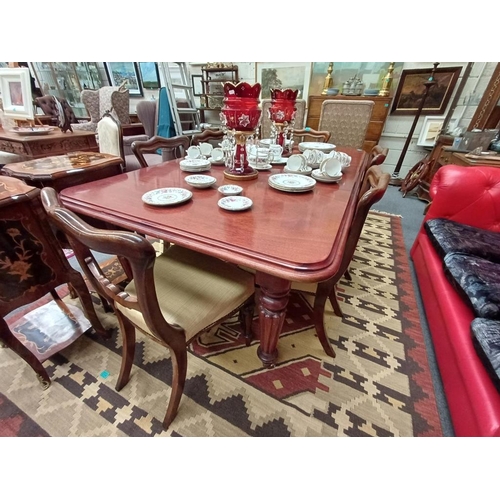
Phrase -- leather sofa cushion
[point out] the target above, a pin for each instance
(477, 280)
(448, 236)
(486, 340)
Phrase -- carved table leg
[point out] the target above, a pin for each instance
(273, 299)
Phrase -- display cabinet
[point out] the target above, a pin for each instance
(209, 86)
(67, 80)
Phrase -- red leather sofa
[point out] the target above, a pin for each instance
(468, 195)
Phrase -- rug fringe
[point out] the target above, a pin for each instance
(386, 213)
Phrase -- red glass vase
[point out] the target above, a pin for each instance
(282, 111)
(241, 115)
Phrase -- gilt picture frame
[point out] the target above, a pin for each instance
(15, 89)
(283, 75)
(119, 72)
(411, 88)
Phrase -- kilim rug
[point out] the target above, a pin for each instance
(378, 385)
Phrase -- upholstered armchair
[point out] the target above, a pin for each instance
(147, 112)
(97, 102)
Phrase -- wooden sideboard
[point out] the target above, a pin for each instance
(376, 125)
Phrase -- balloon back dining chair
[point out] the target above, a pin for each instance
(32, 266)
(172, 147)
(310, 135)
(373, 188)
(171, 298)
(212, 136)
(346, 120)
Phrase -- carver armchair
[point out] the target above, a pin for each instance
(171, 297)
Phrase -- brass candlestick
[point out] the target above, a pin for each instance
(386, 82)
(328, 80)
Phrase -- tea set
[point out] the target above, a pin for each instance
(317, 160)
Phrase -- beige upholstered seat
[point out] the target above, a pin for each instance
(265, 124)
(97, 102)
(110, 138)
(346, 120)
(171, 297)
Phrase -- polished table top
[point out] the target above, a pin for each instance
(55, 134)
(290, 235)
(284, 236)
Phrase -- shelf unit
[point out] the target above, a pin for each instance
(210, 85)
(67, 80)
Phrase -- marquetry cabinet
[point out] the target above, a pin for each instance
(377, 122)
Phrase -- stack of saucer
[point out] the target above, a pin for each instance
(195, 165)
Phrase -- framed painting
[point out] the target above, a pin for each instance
(150, 77)
(124, 72)
(411, 89)
(283, 75)
(15, 89)
(430, 131)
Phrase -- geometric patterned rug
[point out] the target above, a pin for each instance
(379, 384)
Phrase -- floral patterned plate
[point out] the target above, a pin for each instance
(200, 181)
(235, 203)
(292, 183)
(166, 196)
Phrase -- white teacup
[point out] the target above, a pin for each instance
(205, 148)
(276, 151)
(296, 163)
(194, 152)
(313, 157)
(259, 155)
(217, 154)
(332, 167)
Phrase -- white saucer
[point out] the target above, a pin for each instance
(194, 163)
(279, 161)
(235, 203)
(306, 171)
(200, 181)
(321, 177)
(216, 162)
(261, 167)
(230, 189)
(166, 196)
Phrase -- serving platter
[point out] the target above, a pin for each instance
(292, 183)
(325, 147)
(33, 130)
(166, 196)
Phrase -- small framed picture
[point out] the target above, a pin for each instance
(431, 129)
(15, 88)
(149, 75)
(120, 72)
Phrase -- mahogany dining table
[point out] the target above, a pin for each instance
(284, 236)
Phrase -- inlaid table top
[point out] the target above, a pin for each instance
(52, 166)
